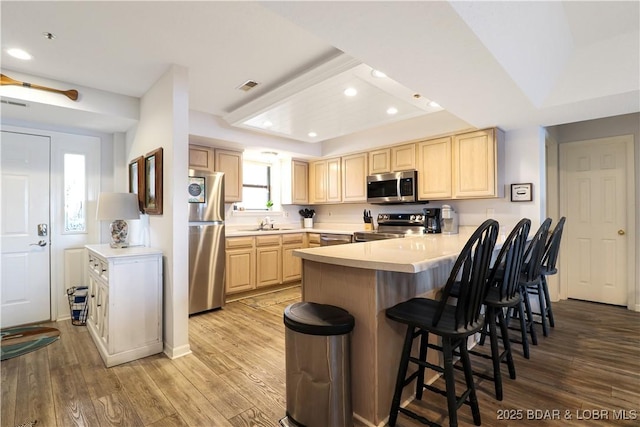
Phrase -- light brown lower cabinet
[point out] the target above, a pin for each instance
(256, 262)
(268, 260)
(313, 240)
(291, 265)
(240, 265)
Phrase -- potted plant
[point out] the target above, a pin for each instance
(269, 205)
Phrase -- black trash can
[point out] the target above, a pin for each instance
(318, 371)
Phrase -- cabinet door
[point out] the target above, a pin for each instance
(241, 268)
(291, 265)
(354, 178)
(103, 314)
(434, 169)
(269, 266)
(318, 182)
(92, 315)
(300, 190)
(474, 164)
(230, 162)
(403, 157)
(201, 158)
(334, 178)
(380, 161)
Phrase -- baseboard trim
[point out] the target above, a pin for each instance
(174, 353)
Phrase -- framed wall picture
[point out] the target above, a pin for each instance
(136, 180)
(522, 192)
(153, 182)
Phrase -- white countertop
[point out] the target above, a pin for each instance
(249, 231)
(107, 251)
(405, 255)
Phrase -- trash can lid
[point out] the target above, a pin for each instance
(318, 319)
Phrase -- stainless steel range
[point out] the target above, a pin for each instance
(392, 226)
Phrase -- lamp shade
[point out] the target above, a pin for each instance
(112, 206)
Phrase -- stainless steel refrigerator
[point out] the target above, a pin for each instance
(206, 240)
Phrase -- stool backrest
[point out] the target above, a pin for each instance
(553, 246)
(535, 251)
(507, 266)
(471, 271)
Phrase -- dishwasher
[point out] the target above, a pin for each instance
(330, 239)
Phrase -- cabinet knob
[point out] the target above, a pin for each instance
(621, 232)
(98, 305)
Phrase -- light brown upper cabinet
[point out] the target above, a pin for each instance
(478, 164)
(230, 162)
(201, 158)
(380, 161)
(435, 169)
(403, 157)
(354, 178)
(294, 182)
(325, 181)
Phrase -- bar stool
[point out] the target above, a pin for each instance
(453, 323)
(503, 293)
(548, 267)
(530, 278)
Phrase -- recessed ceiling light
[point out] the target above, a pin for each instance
(434, 104)
(267, 124)
(392, 110)
(19, 53)
(312, 134)
(350, 91)
(378, 74)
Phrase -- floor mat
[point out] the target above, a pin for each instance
(272, 298)
(24, 339)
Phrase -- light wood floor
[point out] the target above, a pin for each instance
(236, 376)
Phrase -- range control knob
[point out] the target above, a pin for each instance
(412, 218)
(419, 218)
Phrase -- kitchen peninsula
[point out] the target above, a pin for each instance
(366, 279)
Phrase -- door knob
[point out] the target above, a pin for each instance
(621, 232)
(41, 243)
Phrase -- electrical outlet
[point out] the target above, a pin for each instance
(286, 214)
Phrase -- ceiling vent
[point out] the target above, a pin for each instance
(248, 85)
(17, 104)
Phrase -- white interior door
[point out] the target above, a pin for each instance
(593, 189)
(24, 231)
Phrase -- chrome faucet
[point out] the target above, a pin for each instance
(266, 223)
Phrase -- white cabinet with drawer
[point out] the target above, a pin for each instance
(125, 302)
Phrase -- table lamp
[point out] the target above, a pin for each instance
(118, 207)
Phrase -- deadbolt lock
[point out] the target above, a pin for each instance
(42, 229)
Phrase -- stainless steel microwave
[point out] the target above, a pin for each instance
(393, 188)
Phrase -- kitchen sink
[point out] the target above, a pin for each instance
(266, 229)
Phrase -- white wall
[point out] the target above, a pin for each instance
(164, 118)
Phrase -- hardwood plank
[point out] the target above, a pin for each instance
(225, 397)
(73, 404)
(236, 376)
(145, 396)
(34, 399)
(116, 410)
(191, 404)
